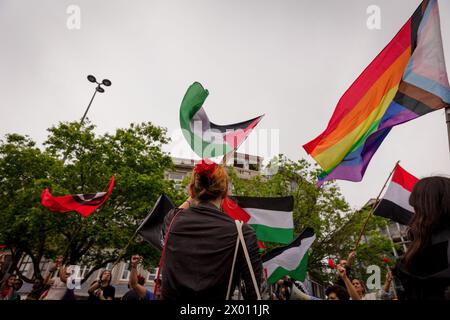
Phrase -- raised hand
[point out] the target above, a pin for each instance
(341, 271)
(135, 260)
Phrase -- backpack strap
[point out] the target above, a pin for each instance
(241, 239)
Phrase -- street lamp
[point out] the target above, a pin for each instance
(105, 82)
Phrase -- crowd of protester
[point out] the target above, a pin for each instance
(203, 272)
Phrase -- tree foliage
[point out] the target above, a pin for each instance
(76, 160)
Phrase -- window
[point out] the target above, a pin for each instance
(238, 163)
(152, 274)
(26, 264)
(125, 272)
(84, 271)
(44, 266)
(176, 176)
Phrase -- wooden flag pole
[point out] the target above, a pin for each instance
(374, 206)
(447, 118)
(124, 250)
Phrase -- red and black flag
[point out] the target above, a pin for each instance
(84, 204)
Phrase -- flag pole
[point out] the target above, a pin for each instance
(374, 206)
(124, 250)
(447, 118)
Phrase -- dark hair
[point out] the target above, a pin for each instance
(101, 276)
(430, 199)
(5, 282)
(361, 283)
(340, 292)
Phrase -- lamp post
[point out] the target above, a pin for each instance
(99, 88)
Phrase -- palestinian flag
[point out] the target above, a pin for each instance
(207, 139)
(291, 260)
(84, 204)
(395, 203)
(151, 228)
(271, 218)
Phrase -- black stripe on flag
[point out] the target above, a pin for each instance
(274, 204)
(90, 199)
(234, 126)
(390, 210)
(307, 233)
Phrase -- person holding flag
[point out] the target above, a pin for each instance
(205, 251)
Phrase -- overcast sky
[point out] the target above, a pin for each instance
(289, 59)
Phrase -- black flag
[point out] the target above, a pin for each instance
(151, 228)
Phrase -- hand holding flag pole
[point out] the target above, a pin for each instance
(374, 206)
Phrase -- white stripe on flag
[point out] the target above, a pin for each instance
(398, 195)
(271, 218)
(289, 259)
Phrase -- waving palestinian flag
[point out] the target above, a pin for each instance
(271, 218)
(207, 139)
(291, 260)
(84, 204)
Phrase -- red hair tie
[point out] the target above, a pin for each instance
(205, 167)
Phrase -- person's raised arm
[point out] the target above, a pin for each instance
(63, 274)
(350, 258)
(385, 292)
(56, 265)
(350, 289)
(140, 290)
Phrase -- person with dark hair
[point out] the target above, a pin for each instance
(336, 292)
(379, 294)
(17, 285)
(38, 288)
(136, 284)
(201, 241)
(102, 289)
(351, 289)
(7, 288)
(424, 271)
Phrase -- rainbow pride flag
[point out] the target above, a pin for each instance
(406, 80)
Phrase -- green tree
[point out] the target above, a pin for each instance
(25, 226)
(76, 160)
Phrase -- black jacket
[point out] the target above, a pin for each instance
(428, 276)
(199, 255)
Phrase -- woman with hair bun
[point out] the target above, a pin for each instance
(200, 243)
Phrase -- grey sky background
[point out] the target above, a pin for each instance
(291, 60)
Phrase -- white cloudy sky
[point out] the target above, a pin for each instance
(289, 59)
